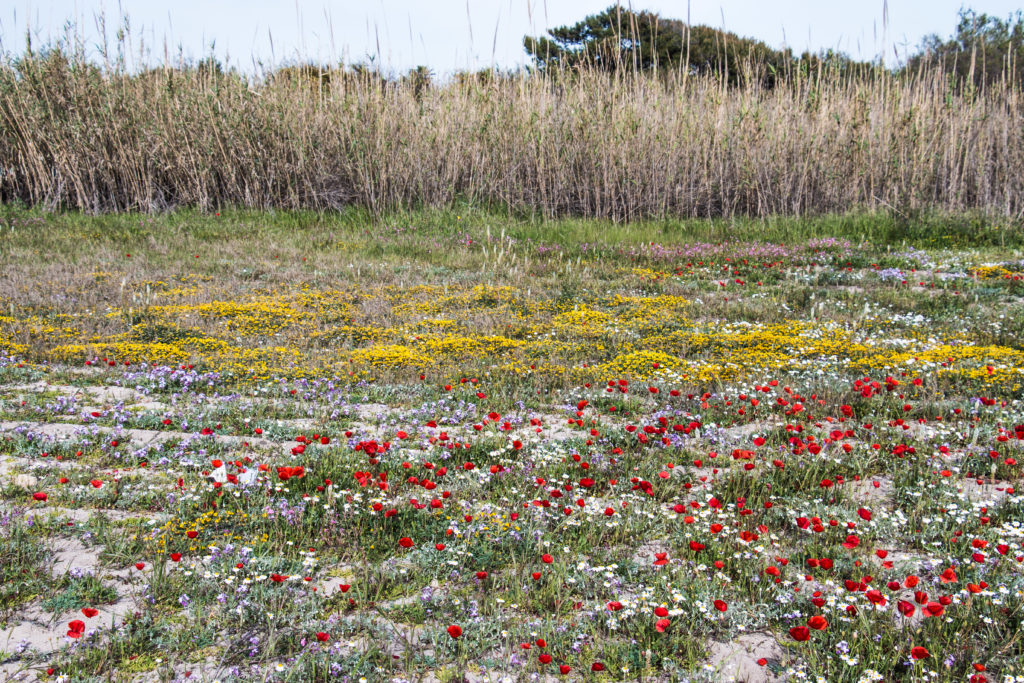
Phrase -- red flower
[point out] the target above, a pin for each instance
(662, 624)
(140, 565)
(721, 606)
(919, 653)
(405, 542)
(800, 633)
(817, 622)
(175, 557)
(323, 637)
(90, 612)
(481, 575)
(906, 608)
(454, 631)
(547, 559)
(597, 666)
(41, 497)
(564, 669)
(76, 628)
(544, 659)
(933, 609)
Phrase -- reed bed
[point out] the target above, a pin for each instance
(622, 147)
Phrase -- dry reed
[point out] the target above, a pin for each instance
(621, 147)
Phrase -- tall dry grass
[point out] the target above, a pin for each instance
(588, 144)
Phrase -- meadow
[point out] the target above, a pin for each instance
(451, 444)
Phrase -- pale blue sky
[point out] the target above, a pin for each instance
(456, 34)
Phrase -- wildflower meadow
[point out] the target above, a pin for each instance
(454, 446)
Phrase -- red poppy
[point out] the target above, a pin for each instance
(405, 542)
(323, 637)
(454, 631)
(547, 559)
(817, 622)
(721, 606)
(90, 612)
(800, 633)
(919, 652)
(176, 557)
(876, 597)
(597, 666)
(40, 496)
(76, 628)
(662, 624)
(544, 659)
(140, 565)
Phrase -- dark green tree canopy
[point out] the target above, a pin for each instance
(980, 51)
(620, 38)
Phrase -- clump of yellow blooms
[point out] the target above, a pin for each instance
(365, 333)
(994, 273)
(390, 356)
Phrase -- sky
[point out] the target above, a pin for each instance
(449, 35)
